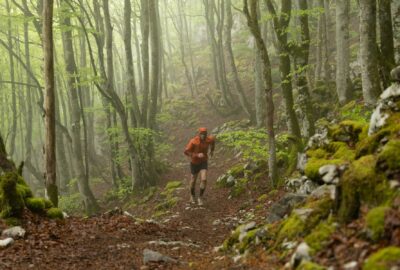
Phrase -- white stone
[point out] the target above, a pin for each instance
(6, 242)
(350, 266)
(303, 213)
(14, 232)
(302, 253)
(154, 256)
(329, 174)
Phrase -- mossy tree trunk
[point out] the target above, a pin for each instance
(252, 21)
(369, 52)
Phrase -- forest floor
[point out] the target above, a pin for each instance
(114, 240)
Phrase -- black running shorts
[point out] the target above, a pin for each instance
(196, 168)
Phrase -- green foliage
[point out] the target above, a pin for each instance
(173, 185)
(167, 204)
(71, 203)
(252, 143)
(356, 112)
(375, 221)
(383, 259)
(12, 221)
(54, 213)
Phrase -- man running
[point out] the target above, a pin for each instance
(197, 151)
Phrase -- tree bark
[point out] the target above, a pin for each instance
(342, 51)
(369, 52)
(252, 21)
(50, 123)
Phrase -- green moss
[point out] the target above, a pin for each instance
(361, 184)
(24, 191)
(306, 265)
(173, 185)
(262, 198)
(375, 221)
(292, 227)
(383, 259)
(11, 201)
(347, 131)
(318, 153)
(247, 241)
(313, 165)
(48, 204)
(231, 240)
(341, 150)
(36, 205)
(389, 156)
(55, 213)
(370, 144)
(318, 237)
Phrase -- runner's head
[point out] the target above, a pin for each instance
(203, 133)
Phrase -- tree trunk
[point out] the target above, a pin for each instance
(231, 59)
(386, 39)
(343, 51)
(369, 52)
(88, 198)
(50, 123)
(13, 133)
(131, 85)
(252, 21)
(145, 26)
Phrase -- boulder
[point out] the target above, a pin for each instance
(283, 207)
(329, 174)
(321, 192)
(14, 232)
(302, 253)
(154, 256)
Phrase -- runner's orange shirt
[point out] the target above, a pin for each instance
(196, 146)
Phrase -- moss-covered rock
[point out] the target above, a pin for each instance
(54, 213)
(36, 205)
(389, 157)
(312, 167)
(375, 222)
(361, 184)
(384, 259)
(306, 265)
(320, 235)
(11, 201)
(347, 131)
(295, 226)
(167, 204)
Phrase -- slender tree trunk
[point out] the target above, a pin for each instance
(82, 176)
(137, 48)
(13, 133)
(343, 51)
(369, 52)
(155, 63)
(301, 64)
(252, 21)
(281, 24)
(231, 59)
(145, 26)
(386, 39)
(131, 85)
(50, 145)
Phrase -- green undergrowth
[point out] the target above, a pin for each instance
(306, 265)
(168, 198)
(375, 222)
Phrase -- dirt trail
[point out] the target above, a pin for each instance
(117, 241)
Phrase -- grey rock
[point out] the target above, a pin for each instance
(302, 253)
(318, 140)
(283, 207)
(6, 242)
(353, 265)
(231, 180)
(323, 191)
(247, 227)
(14, 232)
(172, 243)
(329, 174)
(307, 187)
(154, 256)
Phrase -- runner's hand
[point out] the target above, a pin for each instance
(200, 155)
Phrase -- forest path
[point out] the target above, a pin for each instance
(114, 240)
